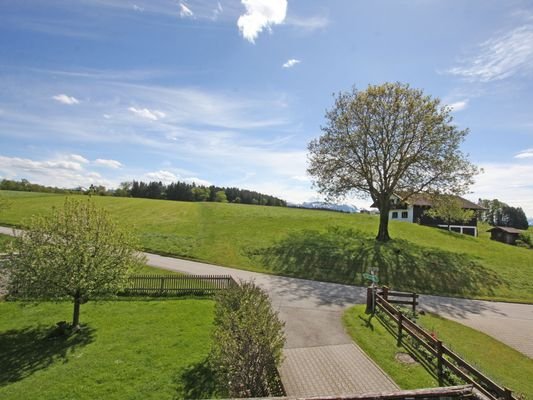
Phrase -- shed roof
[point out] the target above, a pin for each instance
(507, 229)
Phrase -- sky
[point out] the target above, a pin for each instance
(231, 92)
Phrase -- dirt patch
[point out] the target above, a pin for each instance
(405, 358)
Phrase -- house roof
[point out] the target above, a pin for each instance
(424, 199)
(506, 229)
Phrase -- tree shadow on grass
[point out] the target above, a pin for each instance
(343, 255)
(198, 381)
(28, 350)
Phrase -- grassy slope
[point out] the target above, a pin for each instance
(500, 362)
(131, 350)
(227, 233)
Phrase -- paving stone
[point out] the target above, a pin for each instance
(331, 370)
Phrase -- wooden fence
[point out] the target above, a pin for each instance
(177, 285)
(434, 355)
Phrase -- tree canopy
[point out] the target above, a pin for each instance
(499, 213)
(77, 253)
(389, 138)
(450, 210)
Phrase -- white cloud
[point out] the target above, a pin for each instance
(61, 172)
(309, 23)
(528, 153)
(301, 178)
(108, 163)
(217, 11)
(63, 98)
(77, 158)
(137, 8)
(165, 177)
(508, 182)
(260, 15)
(198, 181)
(459, 105)
(500, 57)
(291, 63)
(153, 115)
(185, 12)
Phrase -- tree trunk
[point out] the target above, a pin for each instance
(383, 232)
(76, 315)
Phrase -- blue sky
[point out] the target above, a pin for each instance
(231, 92)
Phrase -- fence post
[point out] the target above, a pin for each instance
(386, 293)
(415, 296)
(400, 323)
(440, 373)
(162, 285)
(370, 301)
(507, 394)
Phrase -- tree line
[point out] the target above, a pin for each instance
(180, 191)
(500, 214)
(183, 191)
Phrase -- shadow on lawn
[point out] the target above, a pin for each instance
(28, 350)
(342, 255)
(197, 381)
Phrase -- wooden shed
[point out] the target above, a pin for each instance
(504, 234)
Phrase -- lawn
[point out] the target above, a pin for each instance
(312, 244)
(128, 349)
(503, 364)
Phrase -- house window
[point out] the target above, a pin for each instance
(395, 215)
(405, 214)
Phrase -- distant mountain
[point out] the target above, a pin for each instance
(530, 221)
(320, 205)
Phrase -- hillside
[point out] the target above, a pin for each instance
(312, 244)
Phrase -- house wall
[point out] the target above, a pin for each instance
(503, 237)
(400, 212)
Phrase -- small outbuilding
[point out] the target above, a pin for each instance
(504, 234)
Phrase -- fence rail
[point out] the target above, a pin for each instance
(446, 360)
(170, 285)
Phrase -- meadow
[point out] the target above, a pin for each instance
(312, 244)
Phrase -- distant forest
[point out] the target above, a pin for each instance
(180, 191)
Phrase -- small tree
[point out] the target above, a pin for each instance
(386, 139)
(77, 252)
(221, 197)
(248, 342)
(449, 209)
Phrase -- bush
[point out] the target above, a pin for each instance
(524, 240)
(248, 342)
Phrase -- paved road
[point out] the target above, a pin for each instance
(315, 335)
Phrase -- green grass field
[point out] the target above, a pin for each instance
(503, 364)
(127, 350)
(311, 244)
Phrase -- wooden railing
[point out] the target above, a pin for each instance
(434, 355)
(170, 285)
(405, 298)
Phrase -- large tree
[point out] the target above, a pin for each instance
(77, 253)
(386, 139)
